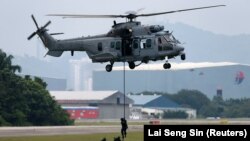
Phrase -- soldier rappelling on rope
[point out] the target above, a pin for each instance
(124, 128)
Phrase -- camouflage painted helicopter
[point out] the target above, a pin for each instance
(125, 42)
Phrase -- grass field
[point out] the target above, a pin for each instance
(102, 123)
(132, 136)
(164, 122)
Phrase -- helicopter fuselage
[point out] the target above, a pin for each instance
(125, 42)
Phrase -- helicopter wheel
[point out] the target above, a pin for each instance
(183, 56)
(109, 68)
(167, 66)
(131, 65)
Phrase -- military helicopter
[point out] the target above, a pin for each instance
(126, 42)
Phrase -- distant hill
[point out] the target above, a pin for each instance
(54, 68)
(203, 45)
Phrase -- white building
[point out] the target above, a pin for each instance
(80, 75)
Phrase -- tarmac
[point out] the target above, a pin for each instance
(63, 130)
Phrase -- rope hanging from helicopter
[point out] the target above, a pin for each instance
(123, 120)
(124, 88)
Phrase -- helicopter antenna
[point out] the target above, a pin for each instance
(130, 15)
(114, 23)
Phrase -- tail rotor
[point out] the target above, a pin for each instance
(39, 30)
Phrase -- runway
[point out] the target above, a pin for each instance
(64, 130)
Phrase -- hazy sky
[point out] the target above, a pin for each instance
(16, 24)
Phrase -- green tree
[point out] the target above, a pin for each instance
(6, 62)
(24, 101)
(191, 98)
(175, 114)
(211, 110)
(237, 108)
(218, 100)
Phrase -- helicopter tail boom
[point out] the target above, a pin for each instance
(50, 43)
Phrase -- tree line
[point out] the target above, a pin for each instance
(215, 107)
(25, 101)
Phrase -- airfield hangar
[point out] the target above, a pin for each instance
(231, 80)
(148, 106)
(93, 104)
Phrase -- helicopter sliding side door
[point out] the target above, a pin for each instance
(147, 47)
(126, 47)
(136, 47)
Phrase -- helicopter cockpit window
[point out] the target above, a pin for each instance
(99, 46)
(148, 43)
(159, 44)
(112, 45)
(118, 45)
(168, 38)
(172, 37)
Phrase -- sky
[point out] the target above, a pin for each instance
(16, 24)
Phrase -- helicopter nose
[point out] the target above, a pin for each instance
(179, 48)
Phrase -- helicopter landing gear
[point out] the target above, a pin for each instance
(109, 67)
(131, 65)
(167, 65)
(183, 56)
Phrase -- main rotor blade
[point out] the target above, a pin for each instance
(86, 16)
(32, 16)
(129, 15)
(168, 12)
